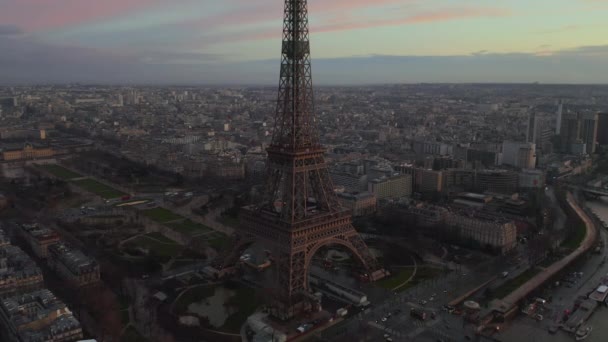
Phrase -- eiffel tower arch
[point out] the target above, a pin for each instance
(299, 212)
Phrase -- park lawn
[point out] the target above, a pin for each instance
(157, 244)
(192, 295)
(161, 215)
(131, 335)
(396, 279)
(513, 284)
(100, 189)
(59, 171)
(230, 221)
(189, 227)
(247, 302)
(218, 241)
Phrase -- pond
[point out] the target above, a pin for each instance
(213, 307)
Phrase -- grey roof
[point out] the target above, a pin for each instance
(37, 231)
(76, 261)
(35, 306)
(15, 263)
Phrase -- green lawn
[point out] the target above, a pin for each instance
(396, 279)
(157, 244)
(218, 241)
(131, 335)
(161, 215)
(59, 171)
(230, 221)
(100, 189)
(513, 284)
(189, 227)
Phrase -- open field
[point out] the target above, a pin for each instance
(396, 279)
(189, 227)
(161, 215)
(59, 171)
(157, 244)
(131, 335)
(217, 241)
(100, 189)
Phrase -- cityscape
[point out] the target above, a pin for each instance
(345, 211)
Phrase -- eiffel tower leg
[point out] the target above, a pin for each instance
(291, 275)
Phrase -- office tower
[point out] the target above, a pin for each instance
(589, 127)
(518, 154)
(558, 118)
(602, 128)
(531, 129)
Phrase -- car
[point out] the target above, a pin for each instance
(538, 317)
(388, 339)
(387, 335)
(423, 302)
(431, 299)
(384, 319)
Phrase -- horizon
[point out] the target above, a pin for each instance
(353, 42)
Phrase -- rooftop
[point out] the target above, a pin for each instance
(38, 232)
(75, 260)
(38, 306)
(14, 263)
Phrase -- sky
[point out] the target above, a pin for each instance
(352, 41)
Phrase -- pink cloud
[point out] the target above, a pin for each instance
(421, 18)
(347, 22)
(39, 15)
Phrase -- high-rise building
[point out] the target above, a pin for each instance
(558, 117)
(579, 133)
(602, 128)
(589, 126)
(521, 155)
(531, 129)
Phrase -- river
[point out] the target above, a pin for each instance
(527, 329)
(600, 317)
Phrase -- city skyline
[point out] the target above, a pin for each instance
(354, 42)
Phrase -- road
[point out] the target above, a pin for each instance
(368, 325)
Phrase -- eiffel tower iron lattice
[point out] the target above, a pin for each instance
(300, 212)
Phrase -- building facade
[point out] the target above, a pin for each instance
(499, 234)
(72, 265)
(520, 155)
(18, 272)
(391, 187)
(360, 204)
(27, 152)
(39, 238)
(37, 316)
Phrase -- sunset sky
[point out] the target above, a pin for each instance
(353, 41)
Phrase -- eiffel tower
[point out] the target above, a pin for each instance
(300, 212)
